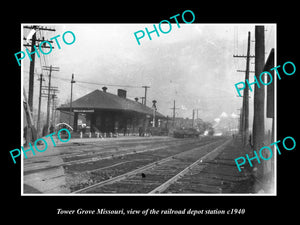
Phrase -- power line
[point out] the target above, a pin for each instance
(84, 87)
(111, 85)
(34, 40)
(94, 83)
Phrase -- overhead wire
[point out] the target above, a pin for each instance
(95, 83)
(111, 85)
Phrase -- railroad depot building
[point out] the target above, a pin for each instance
(108, 113)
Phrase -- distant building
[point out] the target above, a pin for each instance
(109, 113)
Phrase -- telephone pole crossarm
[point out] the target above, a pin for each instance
(243, 56)
(32, 62)
(39, 28)
(244, 116)
(50, 69)
(243, 71)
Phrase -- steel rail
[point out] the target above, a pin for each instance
(92, 159)
(120, 149)
(166, 184)
(139, 170)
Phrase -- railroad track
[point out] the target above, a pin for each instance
(89, 147)
(119, 150)
(95, 155)
(86, 174)
(157, 176)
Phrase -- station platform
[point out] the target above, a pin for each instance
(223, 169)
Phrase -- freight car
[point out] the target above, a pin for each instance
(186, 133)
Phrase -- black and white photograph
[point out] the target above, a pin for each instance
(151, 112)
(148, 109)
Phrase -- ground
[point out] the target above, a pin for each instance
(74, 165)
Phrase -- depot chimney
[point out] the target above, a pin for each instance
(122, 93)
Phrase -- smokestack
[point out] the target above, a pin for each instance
(104, 89)
(122, 93)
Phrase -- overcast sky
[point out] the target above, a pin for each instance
(193, 64)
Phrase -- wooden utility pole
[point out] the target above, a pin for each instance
(30, 130)
(154, 112)
(269, 165)
(196, 113)
(72, 82)
(270, 91)
(193, 118)
(240, 120)
(259, 93)
(45, 94)
(244, 123)
(32, 62)
(53, 96)
(246, 94)
(41, 79)
(31, 73)
(145, 100)
(174, 108)
(174, 114)
(50, 69)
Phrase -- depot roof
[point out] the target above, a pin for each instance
(106, 101)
